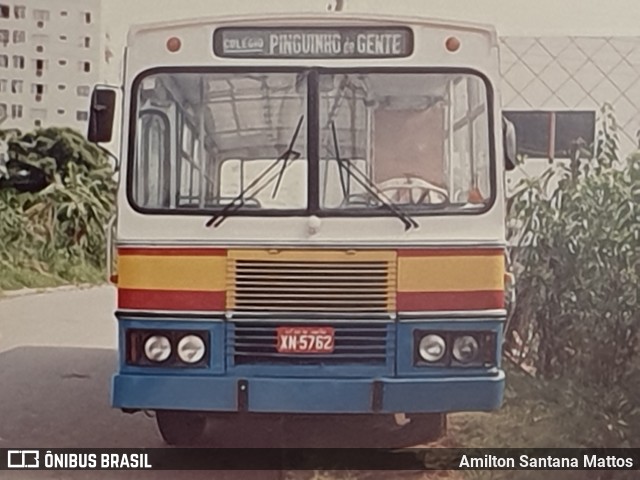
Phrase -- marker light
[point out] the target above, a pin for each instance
(452, 44)
(174, 44)
(432, 348)
(157, 348)
(191, 349)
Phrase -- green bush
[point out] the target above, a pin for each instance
(577, 267)
(57, 231)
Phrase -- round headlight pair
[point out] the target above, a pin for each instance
(191, 348)
(432, 348)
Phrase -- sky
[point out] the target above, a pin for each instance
(510, 17)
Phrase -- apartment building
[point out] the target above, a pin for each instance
(49, 61)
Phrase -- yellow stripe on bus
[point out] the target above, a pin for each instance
(450, 273)
(172, 272)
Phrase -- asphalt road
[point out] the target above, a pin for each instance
(57, 354)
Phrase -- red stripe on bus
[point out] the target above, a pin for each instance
(171, 299)
(183, 252)
(451, 252)
(428, 301)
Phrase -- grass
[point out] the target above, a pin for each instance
(540, 414)
(536, 413)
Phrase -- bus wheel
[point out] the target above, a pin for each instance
(425, 427)
(179, 427)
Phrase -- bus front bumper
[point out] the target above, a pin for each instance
(304, 395)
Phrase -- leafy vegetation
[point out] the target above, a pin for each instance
(541, 413)
(57, 193)
(574, 338)
(577, 318)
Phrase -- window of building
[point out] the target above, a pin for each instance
(3, 84)
(37, 123)
(61, 111)
(20, 11)
(552, 134)
(5, 11)
(39, 90)
(41, 15)
(64, 13)
(63, 38)
(87, 17)
(4, 37)
(3, 110)
(39, 113)
(19, 36)
(40, 65)
(62, 62)
(62, 86)
(4, 61)
(16, 86)
(85, 66)
(16, 111)
(18, 62)
(40, 24)
(39, 39)
(39, 49)
(82, 116)
(86, 42)
(83, 91)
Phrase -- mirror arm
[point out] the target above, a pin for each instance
(108, 85)
(111, 155)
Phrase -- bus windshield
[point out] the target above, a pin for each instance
(421, 140)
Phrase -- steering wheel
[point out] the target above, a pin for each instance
(413, 190)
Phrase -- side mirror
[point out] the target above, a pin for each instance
(510, 144)
(103, 104)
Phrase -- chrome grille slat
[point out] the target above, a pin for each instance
(303, 308)
(337, 296)
(349, 283)
(271, 337)
(338, 348)
(315, 358)
(328, 285)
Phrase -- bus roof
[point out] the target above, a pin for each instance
(324, 18)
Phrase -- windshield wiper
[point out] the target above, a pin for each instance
(368, 185)
(289, 153)
(238, 201)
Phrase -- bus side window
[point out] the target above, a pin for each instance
(152, 176)
(189, 185)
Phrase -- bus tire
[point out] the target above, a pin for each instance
(180, 428)
(427, 427)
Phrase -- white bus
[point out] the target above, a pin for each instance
(310, 219)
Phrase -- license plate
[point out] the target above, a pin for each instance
(305, 339)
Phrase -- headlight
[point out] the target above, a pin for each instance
(465, 349)
(432, 348)
(157, 348)
(191, 349)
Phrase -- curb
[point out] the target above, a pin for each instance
(23, 292)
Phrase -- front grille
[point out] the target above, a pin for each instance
(362, 282)
(254, 343)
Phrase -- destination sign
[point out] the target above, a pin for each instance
(313, 42)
